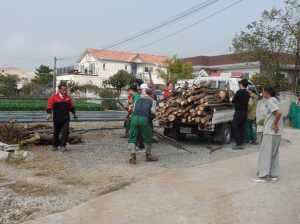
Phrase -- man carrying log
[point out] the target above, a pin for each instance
(61, 104)
(143, 113)
(241, 99)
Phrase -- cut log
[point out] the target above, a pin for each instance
(203, 113)
(208, 84)
(216, 105)
(190, 107)
(171, 117)
(207, 118)
(192, 89)
(196, 97)
(183, 120)
(158, 115)
(204, 99)
(171, 109)
(230, 92)
(165, 98)
(161, 104)
(178, 100)
(184, 102)
(49, 137)
(198, 119)
(74, 141)
(185, 115)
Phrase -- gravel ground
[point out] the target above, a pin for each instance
(55, 181)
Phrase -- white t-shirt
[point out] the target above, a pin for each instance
(272, 105)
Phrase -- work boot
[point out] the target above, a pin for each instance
(132, 160)
(126, 135)
(151, 159)
(255, 143)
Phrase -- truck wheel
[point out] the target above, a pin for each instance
(180, 137)
(226, 134)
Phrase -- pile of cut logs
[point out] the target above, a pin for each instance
(194, 103)
(40, 134)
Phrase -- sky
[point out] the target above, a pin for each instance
(33, 32)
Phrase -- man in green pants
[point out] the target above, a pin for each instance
(132, 91)
(143, 113)
(252, 105)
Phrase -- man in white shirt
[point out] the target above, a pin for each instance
(268, 162)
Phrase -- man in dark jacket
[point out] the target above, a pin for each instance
(143, 112)
(241, 99)
(61, 104)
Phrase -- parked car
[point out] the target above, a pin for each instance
(159, 95)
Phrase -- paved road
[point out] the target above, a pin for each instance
(220, 192)
(34, 117)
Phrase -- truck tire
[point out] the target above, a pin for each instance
(226, 134)
(180, 137)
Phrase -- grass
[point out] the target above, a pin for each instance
(14, 217)
(31, 211)
(261, 122)
(25, 188)
(116, 187)
(72, 181)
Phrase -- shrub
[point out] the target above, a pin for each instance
(261, 122)
(10, 132)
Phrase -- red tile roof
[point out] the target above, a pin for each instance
(213, 60)
(208, 71)
(126, 56)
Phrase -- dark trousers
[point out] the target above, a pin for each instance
(64, 128)
(238, 126)
(140, 140)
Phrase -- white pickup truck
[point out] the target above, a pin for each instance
(220, 126)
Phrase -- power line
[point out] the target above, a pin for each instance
(157, 27)
(187, 26)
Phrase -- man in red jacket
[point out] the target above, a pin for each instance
(61, 104)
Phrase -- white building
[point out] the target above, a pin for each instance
(205, 65)
(97, 65)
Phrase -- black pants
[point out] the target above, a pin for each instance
(140, 140)
(239, 126)
(64, 128)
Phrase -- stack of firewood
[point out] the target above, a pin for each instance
(195, 103)
(40, 134)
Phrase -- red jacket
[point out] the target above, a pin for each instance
(167, 93)
(61, 108)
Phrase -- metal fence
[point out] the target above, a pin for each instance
(67, 70)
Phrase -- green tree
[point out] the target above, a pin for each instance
(8, 84)
(119, 80)
(31, 87)
(289, 20)
(176, 70)
(43, 76)
(265, 43)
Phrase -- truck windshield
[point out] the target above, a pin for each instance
(213, 84)
(222, 85)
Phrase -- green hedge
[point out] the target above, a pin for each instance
(41, 105)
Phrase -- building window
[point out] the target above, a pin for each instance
(92, 68)
(82, 68)
(104, 66)
(246, 75)
(147, 69)
(125, 67)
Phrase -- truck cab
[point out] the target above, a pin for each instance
(219, 128)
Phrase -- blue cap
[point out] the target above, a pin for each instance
(251, 87)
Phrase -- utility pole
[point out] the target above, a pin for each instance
(54, 76)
